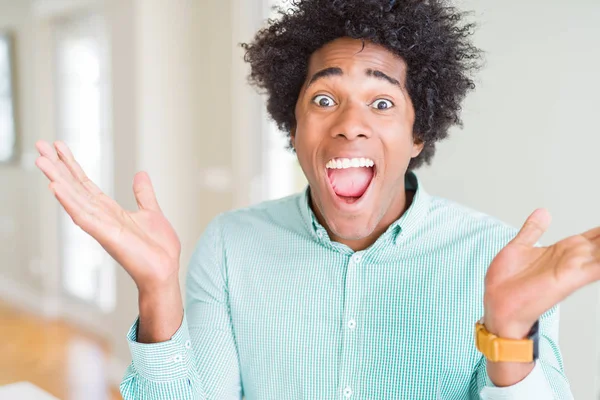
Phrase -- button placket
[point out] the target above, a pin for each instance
(352, 324)
(350, 368)
(347, 392)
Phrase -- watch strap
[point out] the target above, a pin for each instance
(498, 349)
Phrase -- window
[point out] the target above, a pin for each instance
(282, 172)
(7, 122)
(88, 272)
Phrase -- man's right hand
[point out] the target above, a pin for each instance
(142, 242)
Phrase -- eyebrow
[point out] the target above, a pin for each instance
(380, 75)
(335, 71)
(331, 71)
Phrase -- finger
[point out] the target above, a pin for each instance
(48, 168)
(53, 173)
(46, 150)
(66, 156)
(78, 202)
(61, 172)
(66, 197)
(534, 227)
(57, 172)
(84, 214)
(592, 234)
(70, 200)
(144, 192)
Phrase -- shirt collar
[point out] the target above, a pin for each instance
(416, 213)
(399, 230)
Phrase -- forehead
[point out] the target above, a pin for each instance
(356, 56)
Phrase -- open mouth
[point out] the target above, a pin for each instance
(350, 178)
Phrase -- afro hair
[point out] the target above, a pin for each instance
(431, 36)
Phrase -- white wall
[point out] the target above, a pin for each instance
(172, 116)
(177, 79)
(19, 244)
(531, 139)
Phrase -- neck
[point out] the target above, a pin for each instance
(394, 212)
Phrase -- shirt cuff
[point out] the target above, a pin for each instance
(163, 361)
(534, 386)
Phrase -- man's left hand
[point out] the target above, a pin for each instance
(524, 281)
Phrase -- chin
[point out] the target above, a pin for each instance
(350, 228)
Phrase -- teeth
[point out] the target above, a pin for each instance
(343, 163)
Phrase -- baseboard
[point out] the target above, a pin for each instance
(26, 298)
(79, 315)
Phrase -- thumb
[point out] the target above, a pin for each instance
(533, 229)
(144, 192)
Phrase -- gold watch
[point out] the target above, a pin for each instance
(497, 349)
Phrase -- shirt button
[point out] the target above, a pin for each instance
(356, 258)
(347, 392)
(177, 358)
(188, 344)
(352, 324)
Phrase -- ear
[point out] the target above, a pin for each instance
(418, 146)
(293, 137)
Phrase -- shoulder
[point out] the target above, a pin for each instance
(466, 225)
(267, 216)
(254, 227)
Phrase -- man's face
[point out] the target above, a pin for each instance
(354, 138)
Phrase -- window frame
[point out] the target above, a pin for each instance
(7, 38)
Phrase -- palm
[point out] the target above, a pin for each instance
(159, 230)
(143, 242)
(145, 245)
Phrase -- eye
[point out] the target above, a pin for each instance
(323, 101)
(382, 104)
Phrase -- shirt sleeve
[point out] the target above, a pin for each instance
(200, 361)
(547, 380)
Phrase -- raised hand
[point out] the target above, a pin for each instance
(524, 281)
(143, 242)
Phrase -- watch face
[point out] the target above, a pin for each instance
(534, 329)
(534, 335)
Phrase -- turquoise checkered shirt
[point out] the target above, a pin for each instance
(276, 310)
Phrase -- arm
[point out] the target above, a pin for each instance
(526, 282)
(166, 363)
(200, 360)
(546, 381)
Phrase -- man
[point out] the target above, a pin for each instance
(363, 286)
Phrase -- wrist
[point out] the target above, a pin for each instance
(504, 319)
(507, 329)
(158, 287)
(160, 312)
(503, 373)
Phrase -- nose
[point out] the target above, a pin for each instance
(351, 123)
